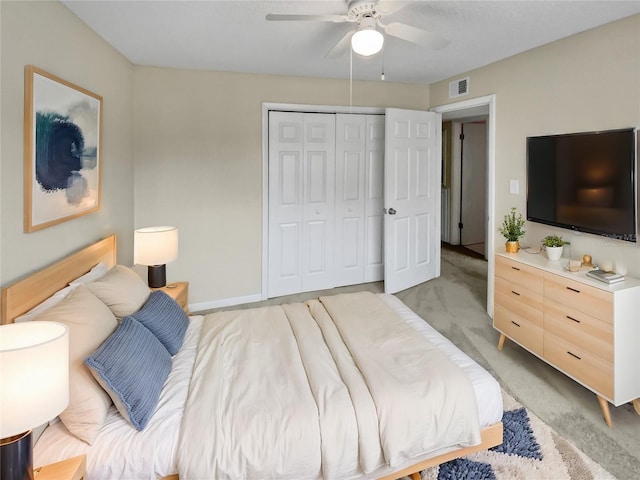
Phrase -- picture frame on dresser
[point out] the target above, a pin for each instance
(584, 328)
(62, 150)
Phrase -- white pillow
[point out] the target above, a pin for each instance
(90, 322)
(122, 290)
(94, 274)
(50, 302)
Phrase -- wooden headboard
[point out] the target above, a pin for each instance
(23, 295)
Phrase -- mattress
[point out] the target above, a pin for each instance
(122, 452)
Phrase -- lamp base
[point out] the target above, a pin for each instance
(157, 276)
(16, 457)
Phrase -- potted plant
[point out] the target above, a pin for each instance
(554, 244)
(512, 229)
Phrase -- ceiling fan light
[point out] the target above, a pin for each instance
(367, 42)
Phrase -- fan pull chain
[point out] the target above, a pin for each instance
(350, 79)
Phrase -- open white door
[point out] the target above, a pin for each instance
(412, 170)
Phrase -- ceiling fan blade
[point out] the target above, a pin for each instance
(385, 8)
(317, 18)
(416, 35)
(343, 45)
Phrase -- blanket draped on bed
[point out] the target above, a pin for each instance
(334, 388)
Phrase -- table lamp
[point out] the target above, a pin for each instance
(155, 247)
(34, 388)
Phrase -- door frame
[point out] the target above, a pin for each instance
(288, 107)
(468, 108)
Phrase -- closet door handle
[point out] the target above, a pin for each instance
(392, 211)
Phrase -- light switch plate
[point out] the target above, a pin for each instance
(514, 187)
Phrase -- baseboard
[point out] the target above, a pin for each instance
(225, 302)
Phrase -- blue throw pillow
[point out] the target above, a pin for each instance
(165, 318)
(132, 366)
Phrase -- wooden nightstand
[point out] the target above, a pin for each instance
(70, 469)
(179, 291)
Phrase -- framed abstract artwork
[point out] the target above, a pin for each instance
(62, 150)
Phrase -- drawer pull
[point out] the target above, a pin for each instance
(574, 319)
(573, 289)
(516, 268)
(515, 293)
(574, 355)
(517, 325)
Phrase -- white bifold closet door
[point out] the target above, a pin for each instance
(359, 215)
(301, 202)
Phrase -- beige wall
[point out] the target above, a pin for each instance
(49, 36)
(198, 152)
(586, 82)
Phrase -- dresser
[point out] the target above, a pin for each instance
(587, 329)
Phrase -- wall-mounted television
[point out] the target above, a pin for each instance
(586, 182)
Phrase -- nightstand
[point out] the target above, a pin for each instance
(179, 291)
(70, 469)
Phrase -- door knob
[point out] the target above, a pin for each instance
(392, 211)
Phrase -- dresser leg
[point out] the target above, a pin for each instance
(503, 337)
(604, 406)
(636, 405)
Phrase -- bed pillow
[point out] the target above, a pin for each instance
(132, 366)
(165, 318)
(94, 274)
(50, 302)
(90, 323)
(122, 290)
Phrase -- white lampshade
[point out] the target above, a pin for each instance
(34, 375)
(367, 40)
(155, 245)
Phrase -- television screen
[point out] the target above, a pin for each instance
(584, 182)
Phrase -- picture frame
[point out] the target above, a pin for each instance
(62, 150)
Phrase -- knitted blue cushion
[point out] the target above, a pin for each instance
(132, 366)
(165, 318)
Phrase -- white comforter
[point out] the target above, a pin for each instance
(334, 388)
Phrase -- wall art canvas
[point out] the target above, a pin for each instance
(62, 145)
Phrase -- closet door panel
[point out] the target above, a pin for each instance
(318, 194)
(374, 200)
(286, 141)
(350, 201)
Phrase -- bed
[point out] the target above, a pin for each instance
(318, 399)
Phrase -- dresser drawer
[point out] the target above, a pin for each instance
(520, 274)
(525, 332)
(519, 300)
(589, 333)
(579, 296)
(579, 363)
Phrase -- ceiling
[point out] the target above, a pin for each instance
(235, 36)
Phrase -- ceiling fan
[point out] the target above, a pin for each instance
(366, 39)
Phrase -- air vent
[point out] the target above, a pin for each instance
(459, 87)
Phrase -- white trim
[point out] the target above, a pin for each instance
(288, 107)
(490, 101)
(225, 302)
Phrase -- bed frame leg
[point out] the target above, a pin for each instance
(415, 476)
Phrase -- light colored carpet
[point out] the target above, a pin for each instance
(455, 304)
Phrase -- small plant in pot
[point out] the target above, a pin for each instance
(554, 244)
(513, 230)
